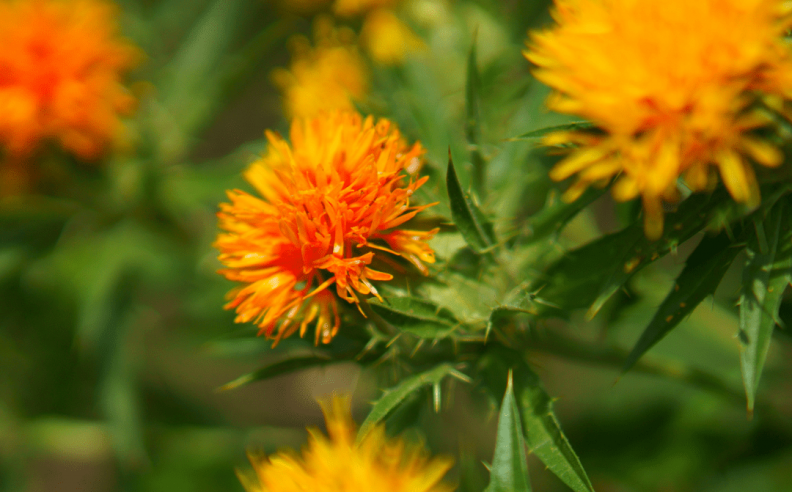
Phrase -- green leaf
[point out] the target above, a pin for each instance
(509, 470)
(767, 273)
(418, 317)
(703, 271)
(576, 279)
(471, 223)
(393, 397)
(279, 368)
(556, 213)
(542, 431)
(472, 124)
(568, 127)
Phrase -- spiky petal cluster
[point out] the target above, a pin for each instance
(338, 464)
(331, 199)
(61, 65)
(331, 75)
(671, 84)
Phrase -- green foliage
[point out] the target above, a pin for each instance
(467, 216)
(509, 470)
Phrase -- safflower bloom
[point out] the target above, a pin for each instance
(672, 87)
(61, 65)
(387, 39)
(349, 8)
(330, 76)
(338, 464)
(330, 199)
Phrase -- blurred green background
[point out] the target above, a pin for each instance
(113, 340)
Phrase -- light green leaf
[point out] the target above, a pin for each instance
(543, 433)
(393, 397)
(767, 273)
(279, 368)
(418, 317)
(509, 470)
(473, 122)
(703, 271)
(471, 223)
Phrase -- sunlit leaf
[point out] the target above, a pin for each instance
(543, 433)
(767, 273)
(703, 271)
(393, 397)
(471, 223)
(509, 470)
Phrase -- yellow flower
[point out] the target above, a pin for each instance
(349, 8)
(386, 38)
(338, 464)
(61, 64)
(671, 86)
(327, 77)
(330, 200)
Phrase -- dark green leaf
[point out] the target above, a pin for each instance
(542, 431)
(393, 397)
(556, 213)
(568, 127)
(509, 470)
(767, 273)
(703, 271)
(279, 368)
(416, 316)
(471, 223)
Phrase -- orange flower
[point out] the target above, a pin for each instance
(60, 70)
(331, 199)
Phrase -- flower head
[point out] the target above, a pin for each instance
(330, 201)
(388, 39)
(61, 64)
(349, 8)
(338, 464)
(330, 76)
(671, 86)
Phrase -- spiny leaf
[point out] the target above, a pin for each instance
(471, 223)
(542, 430)
(396, 395)
(556, 213)
(279, 368)
(534, 134)
(765, 277)
(703, 271)
(473, 125)
(418, 317)
(576, 280)
(509, 470)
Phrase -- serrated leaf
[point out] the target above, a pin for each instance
(765, 277)
(543, 433)
(280, 368)
(472, 124)
(568, 127)
(393, 397)
(509, 470)
(469, 220)
(589, 275)
(704, 269)
(418, 317)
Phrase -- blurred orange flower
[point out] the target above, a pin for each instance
(387, 39)
(61, 65)
(340, 464)
(672, 85)
(330, 76)
(331, 199)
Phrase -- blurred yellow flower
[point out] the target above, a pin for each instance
(349, 8)
(61, 65)
(386, 38)
(339, 464)
(671, 87)
(331, 199)
(328, 77)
